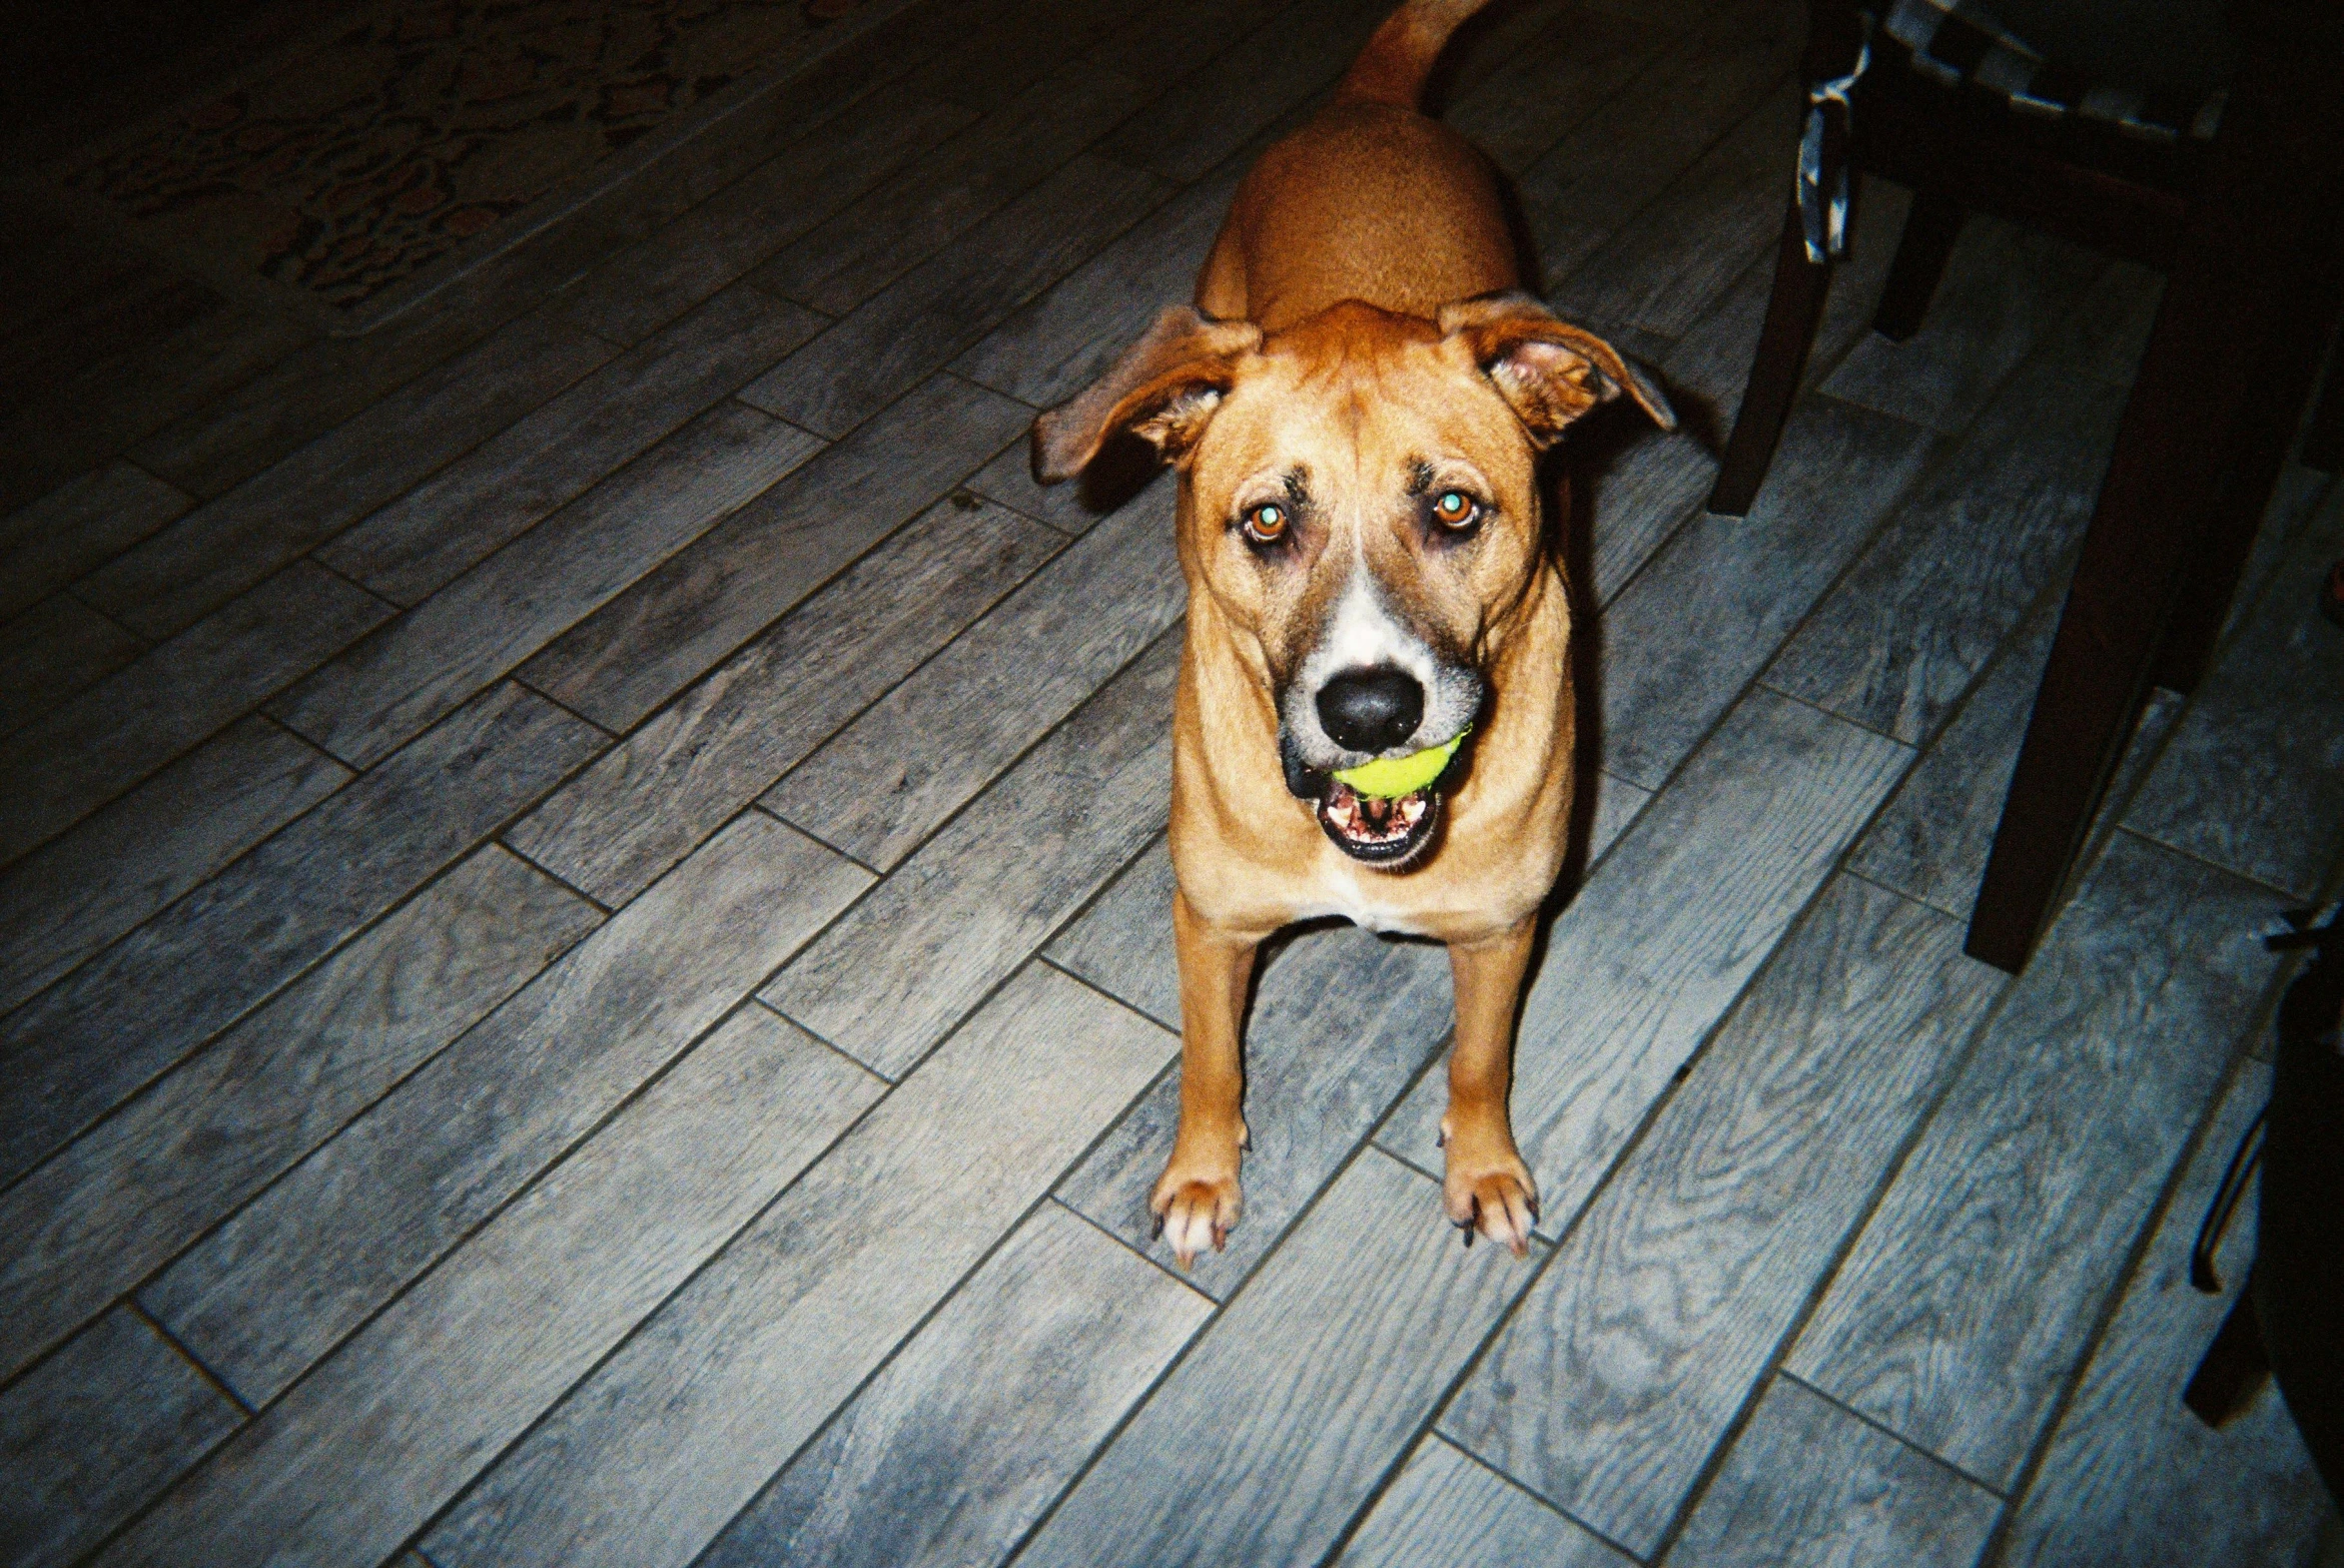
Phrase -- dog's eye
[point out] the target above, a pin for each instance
(1266, 523)
(1455, 509)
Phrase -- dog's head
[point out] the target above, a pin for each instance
(1359, 495)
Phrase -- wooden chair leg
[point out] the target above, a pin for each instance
(1793, 312)
(1931, 227)
(2300, 312)
(2177, 425)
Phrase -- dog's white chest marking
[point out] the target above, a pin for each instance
(1341, 892)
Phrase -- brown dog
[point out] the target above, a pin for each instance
(1357, 417)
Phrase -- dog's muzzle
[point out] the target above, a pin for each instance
(1390, 835)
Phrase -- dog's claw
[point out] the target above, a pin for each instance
(1489, 1190)
(1195, 1213)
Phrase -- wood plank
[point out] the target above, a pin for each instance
(1539, 92)
(1000, 50)
(1642, 494)
(1666, 933)
(225, 546)
(1966, 1302)
(1710, 362)
(650, 801)
(84, 1044)
(1447, 1510)
(970, 1433)
(1665, 268)
(1277, 1427)
(648, 1458)
(77, 525)
(1241, 91)
(115, 313)
(642, 288)
(891, 979)
(1123, 944)
(119, 1202)
(1806, 1486)
(2131, 1476)
(682, 621)
(57, 648)
(468, 510)
(375, 1442)
(1639, 1347)
(2253, 778)
(214, 445)
(2295, 503)
(63, 766)
(116, 393)
(1159, 45)
(2005, 291)
(95, 1431)
(1684, 639)
(269, 1292)
(2104, 335)
(475, 630)
(879, 787)
(1009, 479)
(922, 319)
(1617, 805)
(1932, 839)
(940, 195)
(80, 891)
(1899, 640)
(1341, 1022)
(1588, 186)
(1053, 347)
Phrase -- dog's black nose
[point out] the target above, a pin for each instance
(1370, 709)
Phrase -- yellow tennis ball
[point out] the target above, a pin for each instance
(1389, 778)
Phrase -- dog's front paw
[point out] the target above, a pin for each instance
(1196, 1208)
(1487, 1187)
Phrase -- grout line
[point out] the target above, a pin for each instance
(539, 692)
(489, 1463)
(1957, 1063)
(758, 805)
(2136, 1254)
(1170, 1367)
(162, 1330)
(144, 643)
(198, 1046)
(1343, 1540)
(1156, 1263)
(966, 807)
(1889, 1432)
(1047, 1194)
(558, 879)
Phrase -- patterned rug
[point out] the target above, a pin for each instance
(369, 164)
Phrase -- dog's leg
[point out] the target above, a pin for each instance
(1487, 1185)
(1196, 1201)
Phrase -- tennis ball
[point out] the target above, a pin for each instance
(1389, 778)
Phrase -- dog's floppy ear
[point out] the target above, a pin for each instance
(1163, 390)
(1549, 370)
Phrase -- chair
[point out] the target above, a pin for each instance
(2225, 173)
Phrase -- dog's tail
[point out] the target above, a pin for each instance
(1394, 66)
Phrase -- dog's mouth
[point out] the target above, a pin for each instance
(1387, 833)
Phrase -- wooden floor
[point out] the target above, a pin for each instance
(584, 914)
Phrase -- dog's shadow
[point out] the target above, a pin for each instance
(1575, 472)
